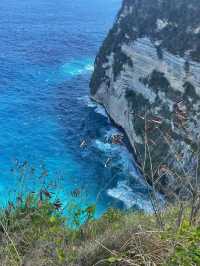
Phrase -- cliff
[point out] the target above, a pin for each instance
(147, 76)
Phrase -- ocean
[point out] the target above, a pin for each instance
(47, 50)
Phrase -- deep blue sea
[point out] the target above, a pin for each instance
(47, 50)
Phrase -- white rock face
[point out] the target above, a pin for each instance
(145, 60)
(144, 55)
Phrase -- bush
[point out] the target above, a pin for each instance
(187, 250)
(35, 232)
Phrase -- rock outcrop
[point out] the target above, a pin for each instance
(147, 76)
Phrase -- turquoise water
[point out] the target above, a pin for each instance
(47, 49)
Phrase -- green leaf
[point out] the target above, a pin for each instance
(114, 259)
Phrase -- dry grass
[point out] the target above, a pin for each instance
(34, 231)
(39, 236)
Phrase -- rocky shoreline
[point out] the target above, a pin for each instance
(149, 84)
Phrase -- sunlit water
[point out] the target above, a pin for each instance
(47, 49)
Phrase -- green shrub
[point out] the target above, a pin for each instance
(187, 249)
(38, 233)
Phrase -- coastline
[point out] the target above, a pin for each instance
(127, 142)
(128, 145)
(160, 193)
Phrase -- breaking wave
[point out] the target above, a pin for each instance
(133, 191)
(126, 194)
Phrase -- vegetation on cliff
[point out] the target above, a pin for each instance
(178, 32)
(39, 235)
(154, 86)
(37, 229)
(164, 129)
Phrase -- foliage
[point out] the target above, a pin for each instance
(33, 222)
(187, 251)
(38, 230)
(38, 233)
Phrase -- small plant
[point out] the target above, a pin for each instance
(78, 215)
(187, 248)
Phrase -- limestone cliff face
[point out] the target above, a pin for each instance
(147, 76)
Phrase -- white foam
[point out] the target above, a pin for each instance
(102, 146)
(125, 160)
(87, 101)
(97, 107)
(89, 67)
(77, 67)
(111, 132)
(100, 110)
(130, 198)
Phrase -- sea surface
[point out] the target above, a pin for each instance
(47, 50)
